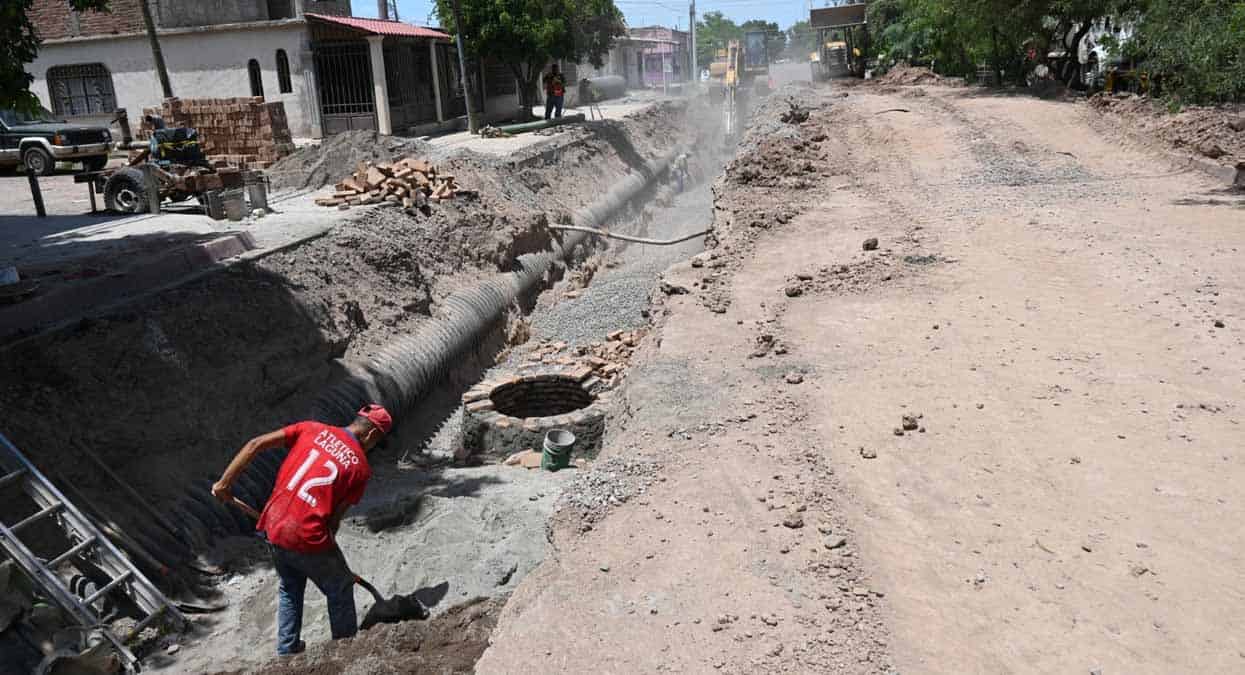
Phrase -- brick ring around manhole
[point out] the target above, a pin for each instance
(508, 415)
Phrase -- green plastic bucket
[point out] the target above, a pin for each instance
(556, 453)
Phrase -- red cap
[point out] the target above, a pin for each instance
(376, 414)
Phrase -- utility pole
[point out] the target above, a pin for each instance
(156, 54)
(691, 13)
(382, 9)
(473, 121)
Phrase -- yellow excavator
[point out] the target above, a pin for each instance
(742, 67)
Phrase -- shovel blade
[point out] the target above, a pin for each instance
(394, 610)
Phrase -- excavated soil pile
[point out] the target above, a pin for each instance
(318, 165)
(447, 645)
(776, 159)
(904, 74)
(1214, 132)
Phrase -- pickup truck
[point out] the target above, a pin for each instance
(38, 140)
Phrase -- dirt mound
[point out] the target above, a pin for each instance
(1208, 131)
(337, 156)
(450, 643)
(905, 74)
(779, 153)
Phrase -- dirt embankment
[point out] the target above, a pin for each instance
(166, 389)
(710, 538)
(1217, 133)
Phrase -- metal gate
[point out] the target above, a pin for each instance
(344, 82)
(451, 85)
(408, 72)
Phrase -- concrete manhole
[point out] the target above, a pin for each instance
(508, 415)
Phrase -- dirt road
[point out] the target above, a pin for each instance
(1059, 311)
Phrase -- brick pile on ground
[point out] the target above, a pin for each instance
(245, 132)
(606, 359)
(411, 182)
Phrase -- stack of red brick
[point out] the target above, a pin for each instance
(245, 132)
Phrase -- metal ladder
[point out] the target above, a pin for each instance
(86, 542)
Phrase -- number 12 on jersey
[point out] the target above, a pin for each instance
(304, 491)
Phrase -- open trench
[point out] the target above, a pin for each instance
(451, 534)
(447, 533)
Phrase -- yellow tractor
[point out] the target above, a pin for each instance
(737, 70)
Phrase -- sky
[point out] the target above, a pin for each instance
(640, 12)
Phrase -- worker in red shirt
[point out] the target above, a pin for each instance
(324, 474)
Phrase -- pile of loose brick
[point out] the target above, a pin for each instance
(413, 183)
(245, 132)
(605, 360)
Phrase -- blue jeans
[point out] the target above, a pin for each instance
(328, 571)
(552, 102)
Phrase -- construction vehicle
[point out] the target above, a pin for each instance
(170, 166)
(830, 61)
(842, 40)
(738, 71)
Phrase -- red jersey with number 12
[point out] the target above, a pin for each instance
(326, 467)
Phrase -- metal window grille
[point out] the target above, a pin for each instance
(81, 89)
(257, 80)
(283, 72)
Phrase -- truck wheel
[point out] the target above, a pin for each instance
(126, 191)
(95, 163)
(38, 161)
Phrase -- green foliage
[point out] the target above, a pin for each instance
(527, 34)
(1194, 49)
(775, 39)
(19, 44)
(713, 31)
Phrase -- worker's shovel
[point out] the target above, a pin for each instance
(394, 610)
(397, 609)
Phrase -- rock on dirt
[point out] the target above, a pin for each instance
(795, 377)
(870, 244)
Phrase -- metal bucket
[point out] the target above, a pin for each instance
(235, 205)
(257, 191)
(214, 205)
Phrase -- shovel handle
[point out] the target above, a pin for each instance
(369, 588)
(246, 508)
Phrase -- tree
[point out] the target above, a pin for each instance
(19, 44)
(775, 39)
(528, 34)
(1192, 48)
(157, 54)
(713, 31)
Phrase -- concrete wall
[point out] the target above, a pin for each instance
(201, 63)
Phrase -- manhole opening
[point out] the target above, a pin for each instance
(540, 398)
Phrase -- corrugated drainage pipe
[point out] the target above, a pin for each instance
(406, 370)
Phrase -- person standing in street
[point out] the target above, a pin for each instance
(325, 473)
(555, 90)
